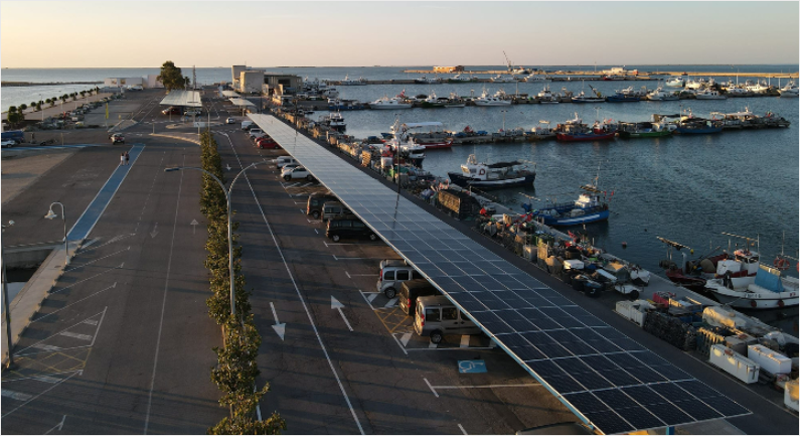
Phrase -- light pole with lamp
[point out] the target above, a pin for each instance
(504, 121)
(6, 306)
(230, 227)
(51, 215)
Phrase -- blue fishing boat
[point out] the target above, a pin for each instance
(588, 208)
(622, 98)
(698, 128)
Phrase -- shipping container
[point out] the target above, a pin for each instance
(770, 361)
(734, 363)
(634, 311)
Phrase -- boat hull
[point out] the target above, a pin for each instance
(491, 104)
(466, 182)
(588, 100)
(390, 107)
(615, 99)
(645, 134)
(565, 137)
(701, 131)
(574, 221)
(754, 300)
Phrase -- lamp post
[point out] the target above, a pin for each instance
(230, 227)
(5, 303)
(504, 121)
(51, 215)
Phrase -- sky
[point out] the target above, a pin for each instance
(212, 33)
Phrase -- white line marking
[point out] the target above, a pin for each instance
(43, 347)
(90, 322)
(19, 396)
(71, 304)
(40, 346)
(519, 385)
(335, 304)
(362, 275)
(431, 387)
(462, 429)
(431, 348)
(348, 275)
(394, 336)
(59, 426)
(390, 304)
(372, 297)
(46, 379)
(369, 302)
(80, 372)
(89, 263)
(77, 336)
(110, 241)
(465, 341)
(89, 278)
(164, 301)
(300, 296)
(316, 231)
(405, 338)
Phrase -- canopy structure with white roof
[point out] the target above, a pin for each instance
(183, 98)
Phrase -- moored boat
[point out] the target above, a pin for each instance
(768, 289)
(790, 90)
(588, 208)
(709, 94)
(494, 176)
(643, 130)
(398, 102)
(498, 99)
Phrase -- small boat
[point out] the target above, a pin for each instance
(622, 97)
(398, 102)
(432, 101)
(352, 82)
(433, 139)
(644, 130)
(533, 77)
(455, 101)
(660, 95)
(588, 208)
(790, 90)
(677, 82)
(756, 87)
(709, 94)
(334, 104)
(334, 120)
(542, 131)
(498, 99)
(428, 80)
(583, 98)
(546, 97)
(575, 131)
(768, 289)
(494, 176)
(689, 125)
(503, 79)
(458, 78)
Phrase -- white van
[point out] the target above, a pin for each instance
(247, 124)
(393, 273)
(285, 160)
(436, 317)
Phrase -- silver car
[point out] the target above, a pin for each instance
(436, 317)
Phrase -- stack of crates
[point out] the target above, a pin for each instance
(661, 298)
(708, 336)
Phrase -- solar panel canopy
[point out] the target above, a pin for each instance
(604, 377)
(182, 98)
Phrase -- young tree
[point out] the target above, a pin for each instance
(39, 106)
(83, 94)
(22, 107)
(14, 117)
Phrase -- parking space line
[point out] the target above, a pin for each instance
(19, 396)
(405, 338)
(399, 344)
(431, 387)
(77, 336)
(462, 429)
(515, 385)
(372, 297)
(465, 341)
(367, 299)
(391, 303)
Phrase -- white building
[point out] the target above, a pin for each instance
(121, 82)
(251, 81)
(153, 82)
(236, 71)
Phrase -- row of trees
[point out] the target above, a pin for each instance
(16, 114)
(236, 370)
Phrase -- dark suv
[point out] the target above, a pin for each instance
(349, 228)
(315, 202)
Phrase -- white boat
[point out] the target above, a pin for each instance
(533, 77)
(503, 79)
(494, 176)
(546, 97)
(660, 95)
(790, 90)
(677, 82)
(709, 94)
(460, 78)
(353, 82)
(757, 87)
(390, 103)
(767, 289)
(428, 80)
(495, 100)
(334, 120)
(695, 84)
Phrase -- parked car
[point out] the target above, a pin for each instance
(315, 203)
(254, 133)
(117, 138)
(266, 142)
(349, 228)
(247, 125)
(410, 291)
(436, 317)
(230, 120)
(8, 143)
(284, 160)
(392, 274)
(297, 173)
(335, 209)
(171, 110)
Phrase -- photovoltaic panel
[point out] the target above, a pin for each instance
(605, 377)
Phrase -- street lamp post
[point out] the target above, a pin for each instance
(51, 215)
(504, 121)
(230, 227)
(6, 306)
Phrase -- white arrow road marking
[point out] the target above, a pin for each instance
(335, 304)
(89, 263)
(59, 426)
(279, 327)
(229, 167)
(155, 231)
(96, 275)
(194, 224)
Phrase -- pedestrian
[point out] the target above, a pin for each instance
(127, 158)
(122, 159)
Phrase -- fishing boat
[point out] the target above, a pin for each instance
(768, 289)
(352, 82)
(709, 94)
(387, 103)
(402, 144)
(575, 131)
(546, 97)
(432, 101)
(498, 99)
(533, 77)
(660, 95)
(428, 80)
(459, 78)
(494, 176)
(334, 104)
(334, 120)
(542, 131)
(503, 79)
(644, 130)
(432, 138)
(689, 125)
(455, 101)
(594, 98)
(677, 82)
(588, 208)
(756, 87)
(623, 97)
(790, 90)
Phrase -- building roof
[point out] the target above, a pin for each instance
(230, 94)
(240, 102)
(183, 98)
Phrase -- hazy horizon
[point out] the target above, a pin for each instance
(130, 34)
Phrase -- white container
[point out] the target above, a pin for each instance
(790, 394)
(734, 363)
(573, 264)
(633, 311)
(769, 360)
(740, 342)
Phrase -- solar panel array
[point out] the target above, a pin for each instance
(601, 374)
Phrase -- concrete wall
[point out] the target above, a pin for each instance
(153, 82)
(251, 81)
(116, 82)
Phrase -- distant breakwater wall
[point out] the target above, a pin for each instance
(47, 83)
